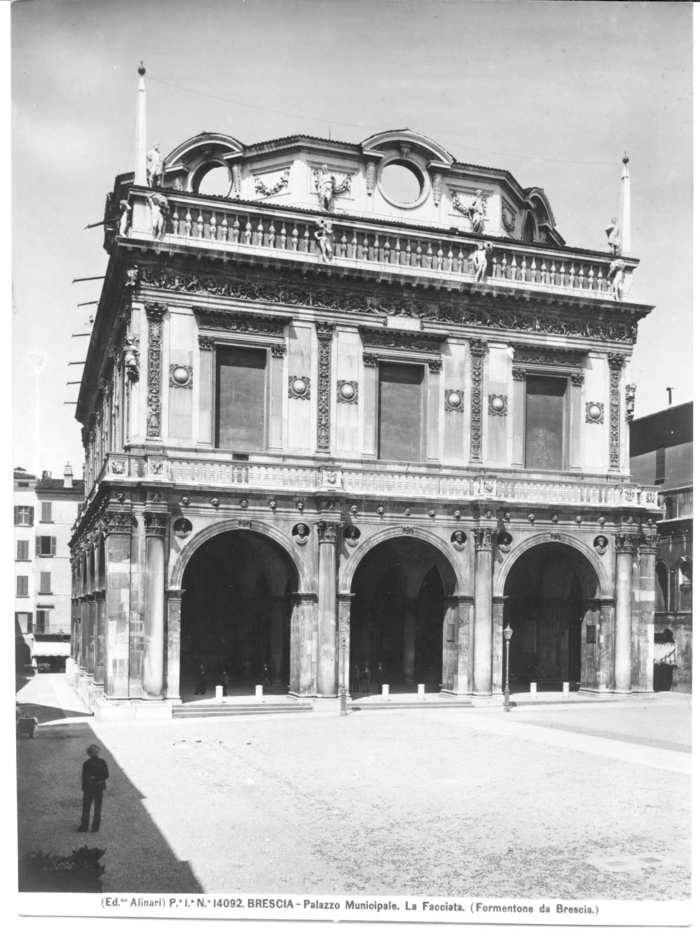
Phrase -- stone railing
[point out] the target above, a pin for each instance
(379, 482)
(252, 229)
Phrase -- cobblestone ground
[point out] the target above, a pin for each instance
(402, 802)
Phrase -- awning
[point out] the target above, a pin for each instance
(51, 650)
(663, 652)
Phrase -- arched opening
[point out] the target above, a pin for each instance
(399, 614)
(212, 179)
(236, 611)
(529, 234)
(401, 182)
(661, 591)
(551, 609)
(685, 585)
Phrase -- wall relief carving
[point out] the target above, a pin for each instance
(154, 313)
(547, 356)
(616, 362)
(478, 350)
(324, 332)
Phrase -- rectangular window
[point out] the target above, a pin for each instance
(46, 512)
(660, 465)
(23, 586)
(240, 398)
(43, 621)
(23, 622)
(45, 582)
(544, 422)
(24, 515)
(45, 546)
(23, 550)
(400, 411)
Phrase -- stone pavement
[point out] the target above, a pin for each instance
(425, 802)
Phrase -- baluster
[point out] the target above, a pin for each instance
(513, 268)
(553, 273)
(387, 251)
(504, 267)
(450, 259)
(460, 260)
(376, 248)
(212, 227)
(523, 270)
(223, 229)
(200, 225)
(440, 257)
(581, 278)
(562, 274)
(271, 235)
(365, 248)
(534, 275)
(306, 239)
(260, 233)
(590, 278)
(419, 255)
(429, 255)
(295, 238)
(409, 258)
(283, 237)
(343, 245)
(176, 221)
(248, 232)
(397, 252)
(353, 245)
(188, 223)
(236, 232)
(572, 277)
(544, 272)
(599, 285)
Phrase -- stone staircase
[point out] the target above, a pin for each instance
(194, 711)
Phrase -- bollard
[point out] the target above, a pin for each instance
(385, 692)
(219, 689)
(565, 686)
(533, 689)
(258, 691)
(421, 692)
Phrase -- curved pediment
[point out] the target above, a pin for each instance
(187, 164)
(399, 139)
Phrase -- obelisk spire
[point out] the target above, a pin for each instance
(625, 222)
(140, 177)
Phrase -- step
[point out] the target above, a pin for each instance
(189, 711)
(408, 705)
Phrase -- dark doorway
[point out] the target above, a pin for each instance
(545, 607)
(236, 612)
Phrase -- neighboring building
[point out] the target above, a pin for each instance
(366, 407)
(661, 452)
(45, 512)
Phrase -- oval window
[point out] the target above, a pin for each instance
(401, 182)
(215, 182)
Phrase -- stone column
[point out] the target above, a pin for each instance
(302, 674)
(277, 608)
(118, 528)
(498, 650)
(244, 612)
(409, 641)
(450, 634)
(483, 612)
(154, 621)
(464, 674)
(344, 602)
(206, 390)
(172, 681)
(643, 627)
(91, 634)
(624, 548)
(327, 624)
(100, 638)
(84, 611)
(605, 669)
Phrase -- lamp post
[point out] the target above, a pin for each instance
(507, 633)
(343, 693)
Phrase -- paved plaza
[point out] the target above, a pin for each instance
(549, 801)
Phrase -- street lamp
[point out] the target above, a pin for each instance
(507, 633)
(343, 693)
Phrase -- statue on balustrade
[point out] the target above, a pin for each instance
(125, 219)
(159, 214)
(324, 235)
(614, 239)
(480, 259)
(616, 278)
(154, 167)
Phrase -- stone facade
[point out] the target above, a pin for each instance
(317, 437)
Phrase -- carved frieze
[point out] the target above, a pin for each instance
(478, 350)
(265, 326)
(547, 356)
(154, 313)
(324, 331)
(402, 340)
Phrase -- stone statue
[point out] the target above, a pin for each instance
(324, 235)
(616, 278)
(325, 186)
(476, 211)
(630, 392)
(480, 259)
(614, 239)
(131, 357)
(159, 213)
(125, 219)
(154, 167)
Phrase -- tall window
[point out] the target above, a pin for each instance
(45, 582)
(23, 550)
(46, 546)
(24, 515)
(661, 605)
(240, 398)
(46, 512)
(22, 586)
(400, 411)
(544, 422)
(43, 621)
(23, 621)
(685, 585)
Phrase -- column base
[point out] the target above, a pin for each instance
(487, 700)
(326, 705)
(132, 709)
(597, 692)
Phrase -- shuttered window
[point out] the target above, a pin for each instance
(23, 550)
(45, 546)
(46, 512)
(24, 515)
(43, 621)
(544, 423)
(400, 411)
(22, 586)
(45, 582)
(240, 398)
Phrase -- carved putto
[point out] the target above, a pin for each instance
(616, 278)
(154, 166)
(327, 187)
(125, 219)
(325, 237)
(160, 211)
(612, 232)
(474, 209)
(131, 356)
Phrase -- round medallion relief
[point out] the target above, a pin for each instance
(498, 404)
(347, 391)
(454, 399)
(298, 387)
(181, 375)
(595, 412)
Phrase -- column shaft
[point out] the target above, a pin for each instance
(173, 644)
(100, 638)
(409, 641)
(623, 619)
(154, 621)
(327, 623)
(483, 613)
(277, 605)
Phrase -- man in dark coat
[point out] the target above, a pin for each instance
(95, 775)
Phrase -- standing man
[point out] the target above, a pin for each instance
(95, 775)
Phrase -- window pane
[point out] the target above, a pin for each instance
(23, 551)
(45, 545)
(46, 512)
(42, 620)
(544, 423)
(240, 398)
(400, 404)
(22, 586)
(45, 581)
(661, 588)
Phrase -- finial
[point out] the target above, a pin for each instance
(625, 160)
(142, 70)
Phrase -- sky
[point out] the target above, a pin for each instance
(554, 92)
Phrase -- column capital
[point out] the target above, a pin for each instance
(305, 596)
(327, 531)
(484, 538)
(155, 310)
(499, 600)
(648, 545)
(100, 595)
(174, 593)
(118, 522)
(155, 522)
(206, 343)
(324, 330)
(624, 544)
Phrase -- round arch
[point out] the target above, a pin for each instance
(231, 525)
(347, 572)
(604, 583)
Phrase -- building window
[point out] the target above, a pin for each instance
(240, 398)
(23, 622)
(45, 546)
(23, 586)
(544, 422)
(661, 602)
(45, 582)
(685, 585)
(43, 621)
(660, 465)
(669, 511)
(400, 411)
(46, 512)
(24, 515)
(685, 504)
(23, 550)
